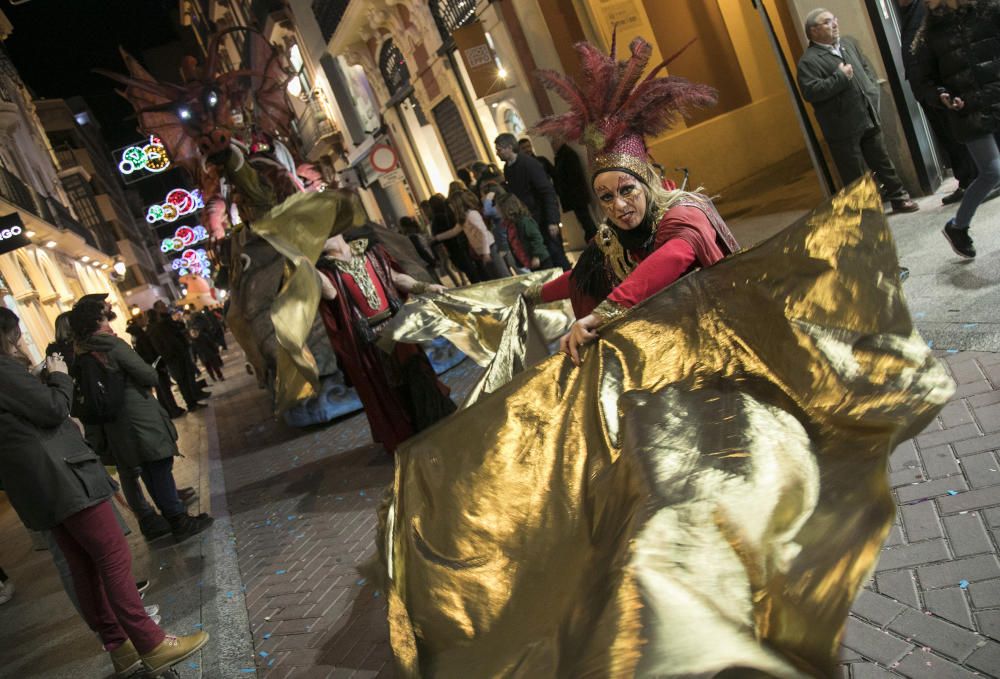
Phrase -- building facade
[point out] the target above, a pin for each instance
(50, 257)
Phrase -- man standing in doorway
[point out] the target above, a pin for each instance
(840, 83)
(527, 180)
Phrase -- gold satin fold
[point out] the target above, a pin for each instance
(708, 491)
(297, 229)
(474, 318)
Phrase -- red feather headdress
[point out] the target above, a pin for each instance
(612, 112)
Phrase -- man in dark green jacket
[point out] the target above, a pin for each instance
(839, 81)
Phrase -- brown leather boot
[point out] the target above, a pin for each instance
(125, 659)
(171, 651)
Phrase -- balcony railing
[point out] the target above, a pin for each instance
(328, 14)
(314, 126)
(66, 157)
(15, 191)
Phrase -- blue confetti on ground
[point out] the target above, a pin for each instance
(249, 670)
(970, 326)
(952, 492)
(291, 517)
(267, 636)
(930, 343)
(362, 581)
(229, 595)
(270, 662)
(362, 493)
(198, 625)
(264, 654)
(280, 571)
(953, 351)
(964, 584)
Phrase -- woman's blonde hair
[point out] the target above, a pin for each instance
(462, 200)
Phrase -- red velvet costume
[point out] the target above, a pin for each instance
(687, 237)
(399, 391)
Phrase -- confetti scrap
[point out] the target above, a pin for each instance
(952, 492)
(264, 654)
(280, 571)
(267, 635)
(362, 581)
(964, 584)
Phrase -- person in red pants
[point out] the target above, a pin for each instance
(56, 482)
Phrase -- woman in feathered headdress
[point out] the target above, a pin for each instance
(653, 233)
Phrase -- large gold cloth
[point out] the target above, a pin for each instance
(706, 492)
(297, 228)
(490, 322)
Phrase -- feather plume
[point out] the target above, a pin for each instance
(610, 102)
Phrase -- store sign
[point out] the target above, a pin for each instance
(12, 233)
(179, 202)
(479, 60)
(142, 160)
(184, 237)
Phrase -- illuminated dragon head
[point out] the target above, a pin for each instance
(198, 118)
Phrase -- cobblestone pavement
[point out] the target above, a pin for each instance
(933, 608)
(303, 506)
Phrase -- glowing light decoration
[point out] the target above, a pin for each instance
(193, 262)
(152, 157)
(179, 202)
(184, 237)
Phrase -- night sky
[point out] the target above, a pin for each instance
(56, 43)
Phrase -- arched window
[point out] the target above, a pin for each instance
(392, 64)
(452, 14)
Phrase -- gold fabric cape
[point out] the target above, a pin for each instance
(490, 322)
(297, 229)
(707, 492)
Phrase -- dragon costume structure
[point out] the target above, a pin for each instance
(706, 490)
(266, 215)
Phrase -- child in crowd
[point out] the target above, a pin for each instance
(523, 236)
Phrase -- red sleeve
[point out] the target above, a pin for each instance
(557, 289)
(660, 269)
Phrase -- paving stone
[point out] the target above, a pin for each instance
(967, 501)
(989, 623)
(972, 389)
(955, 414)
(895, 537)
(905, 456)
(846, 655)
(873, 643)
(966, 535)
(976, 445)
(867, 670)
(876, 608)
(930, 489)
(972, 569)
(950, 604)
(899, 585)
(912, 555)
(989, 418)
(925, 665)
(944, 637)
(982, 470)
(992, 517)
(985, 594)
(939, 461)
(905, 477)
(921, 521)
(987, 398)
(986, 659)
(960, 433)
(965, 372)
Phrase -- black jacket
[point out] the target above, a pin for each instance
(958, 52)
(570, 179)
(168, 338)
(527, 180)
(845, 107)
(48, 471)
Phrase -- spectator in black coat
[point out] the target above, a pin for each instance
(573, 187)
(144, 347)
(170, 341)
(527, 180)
